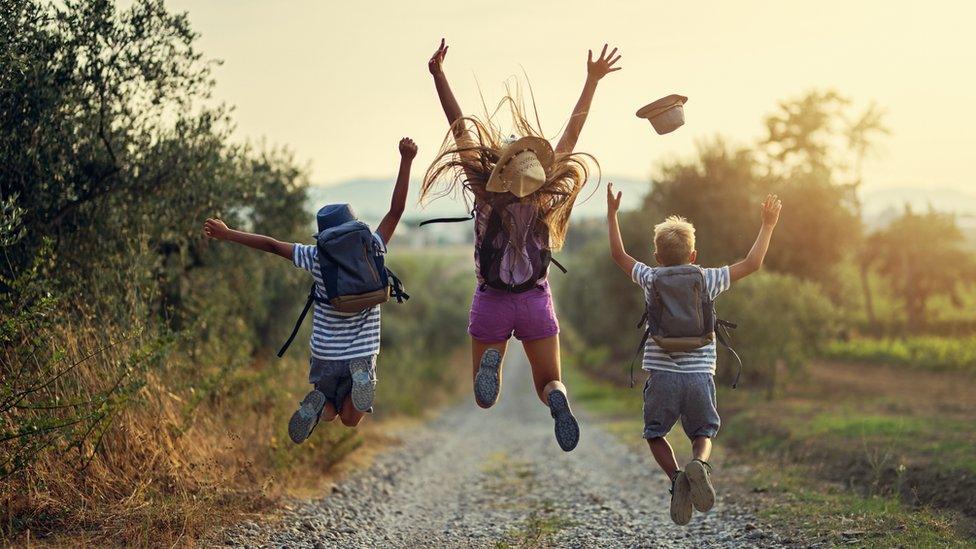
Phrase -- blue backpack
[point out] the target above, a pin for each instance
(353, 271)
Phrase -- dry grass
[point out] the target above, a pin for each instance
(182, 454)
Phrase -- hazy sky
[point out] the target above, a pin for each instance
(341, 82)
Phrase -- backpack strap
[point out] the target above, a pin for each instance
(640, 349)
(312, 296)
(722, 328)
(557, 264)
(396, 287)
(447, 220)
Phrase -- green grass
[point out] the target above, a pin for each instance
(939, 354)
(794, 497)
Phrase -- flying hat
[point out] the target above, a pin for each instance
(333, 215)
(521, 169)
(666, 114)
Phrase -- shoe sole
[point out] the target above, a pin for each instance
(702, 491)
(681, 506)
(487, 381)
(363, 386)
(567, 428)
(304, 419)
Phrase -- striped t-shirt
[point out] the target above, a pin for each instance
(335, 335)
(700, 360)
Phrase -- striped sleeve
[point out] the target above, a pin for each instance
(642, 275)
(717, 281)
(304, 257)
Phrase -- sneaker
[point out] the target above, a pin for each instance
(363, 385)
(306, 417)
(680, 499)
(487, 381)
(699, 477)
(567, 428)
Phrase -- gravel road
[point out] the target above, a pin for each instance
(496, 478)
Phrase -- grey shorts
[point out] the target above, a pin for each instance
(669, 396)
(334, 378)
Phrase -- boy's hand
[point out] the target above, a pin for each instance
(215, 228)
(770, 210)
(436, 60)
(613, 202)
(408, 149)
(603, 66)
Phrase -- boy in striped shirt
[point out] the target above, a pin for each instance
(680, 384)
(344, 345)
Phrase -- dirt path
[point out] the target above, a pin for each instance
(475, 478)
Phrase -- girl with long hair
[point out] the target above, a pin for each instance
(522, 192)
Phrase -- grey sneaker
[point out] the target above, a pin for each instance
(363, 384)
(306, 417)
(702, 491)
(567, 428)
(680, 499)
(487, 382)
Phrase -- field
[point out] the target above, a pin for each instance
(847, 456)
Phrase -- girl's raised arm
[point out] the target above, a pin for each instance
(448, 102)
(595, 70)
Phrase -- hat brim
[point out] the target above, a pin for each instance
(497, 181)
(657, 107)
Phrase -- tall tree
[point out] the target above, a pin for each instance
(923, 256)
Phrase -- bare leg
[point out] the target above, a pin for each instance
(701, 448)
(349, 415)
(663, 455)
(543, 355)
(328, 412)
(478, 349)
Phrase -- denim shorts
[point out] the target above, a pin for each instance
(669, 396)
(334, 379)
(496, 315)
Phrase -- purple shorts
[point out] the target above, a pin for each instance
(496, 315)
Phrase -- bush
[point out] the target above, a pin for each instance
(922, 352)
(783, 322)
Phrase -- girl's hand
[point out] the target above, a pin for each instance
(596, 70)
(770, 210)
(215, 228)
(436, 60)
(408, 149)
(613, 202)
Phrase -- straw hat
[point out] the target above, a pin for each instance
(666, 114)
(521, 169)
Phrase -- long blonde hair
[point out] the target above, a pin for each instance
(472, 148)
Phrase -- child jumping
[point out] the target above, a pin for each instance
(523, 191)
(680, 382)
(344, 344)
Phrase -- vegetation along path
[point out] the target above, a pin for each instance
(496, 478)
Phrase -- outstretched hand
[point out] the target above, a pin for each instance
(215, 228)
(436, 60)
(613, 201)
(770, 210)
(602, 66)
(408, 149)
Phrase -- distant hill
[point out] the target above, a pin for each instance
(371, 199)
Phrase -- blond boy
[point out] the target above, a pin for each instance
(681, 384)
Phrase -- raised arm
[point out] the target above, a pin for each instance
(770, 216)
(218, 230)
(448, 102)
(617, 251)
(595, 70)
(408, 150)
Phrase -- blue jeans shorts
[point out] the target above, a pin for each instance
(334, 378)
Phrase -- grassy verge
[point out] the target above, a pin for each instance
(932, 353)
(776, 450)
